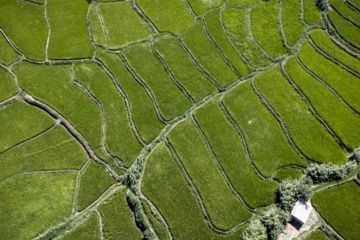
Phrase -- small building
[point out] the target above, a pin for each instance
(301, 211)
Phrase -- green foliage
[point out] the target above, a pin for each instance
(53, 150)
(322, 5)
(265, 28)
(346, 12)
(168, 97)
(339, 207)
(7, 85)
(357, 154)
(118, 219)
(20, 122)
(134, 173)
(8, 55)
(88, 230)
(275, 221)
(122, 24)
(311, 13)
(158, 227)
(28, 32)
(256, 231)
(227, 146)
(94, 182)
(161, 13)
(265, 140)
(30, 204)
(200, 6)
(69, 35)
(290, 19)
(145, 119)
(181, 66)
(206, 55)
(290, 191)
(326, 172)
(340, 119)
(318, 235)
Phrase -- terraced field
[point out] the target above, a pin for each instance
(173, 119)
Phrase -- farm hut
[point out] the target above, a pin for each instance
(301, 211)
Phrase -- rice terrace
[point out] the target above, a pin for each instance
(179, 119)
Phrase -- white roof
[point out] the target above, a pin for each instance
(301, 210)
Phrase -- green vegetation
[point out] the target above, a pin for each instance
(266, 30)
(355, 3)
(21, 122)
(87, 230)
(118, 219)
(291, 21)
(265, 140)
(200, 6)
(8, 54)
(161, 13)
(322, 41)
(311, 13)
(341, 120)
(215, 30)
(343, 82)
(142, 109)
(346, 12)
(206, 55)
(318, 235)
(169, 98)
(339, 207)
(97, 32)
(242, 3)
(237, 26)
(290, 191)
(183, 69)
(52, 85)
(326, 172)
(345, 29)
(117, 126)
(227, 146)
(122, 24)
(207, 177)
(54, 150)
(94, 181)
(168, 190)
(21, 30)
(7, 85)
(307, 133)
(283, 174)
(30, 204)
(69, 36)
(158, 227)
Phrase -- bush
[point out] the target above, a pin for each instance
(357, 154)
(322, 5)
(256, 231)
(291, 190)
(326, 172)
(274, 222)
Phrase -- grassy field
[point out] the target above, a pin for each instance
(169, 98)
(161, 13)
(307, 133)
(118, 219)
(200, 6)
(94, 181)
(242, 3)
(146, 121)
(311, 14)
(291, 21)
(355, 3)
(7, 85)
(117, 126)
(265, 140)
(21, 29)
(52, 85)
(266, 30)
(158, 227)
(215, 29)
(340, 7)
(30, 204)
(88, 230)
(236, 25)
(284, 174)
(8, 54)
(206, 55)
(97, 32)
(343, 82)
(322, 41)
(183, 69)
(122, 24)
(54, 150)
(167, 189)
(21, 122)
(207, 177)
(227, 146)
(69, 36)
(341, 120)
(318, 235)
(338, 206)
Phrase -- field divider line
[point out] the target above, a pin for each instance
(35, 3)
(9, 101)
(312, 110)
(222, 55)
(72, 131)
(333, 36)
(222, 171)
(12, 45)
(76, 191)
(350, 5)
(91, 38)
(231, 42)
(126, 100)
(317, 78)
(301, 14)
(144, 86)
(38, 172)
(143, 16)
(171, 75)
(340, 14)
(8, 70)
(281, 123)
(102, 24)
(100, 224)
(49, 30)
(281, 27)
(325, 55)
(190, 9)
